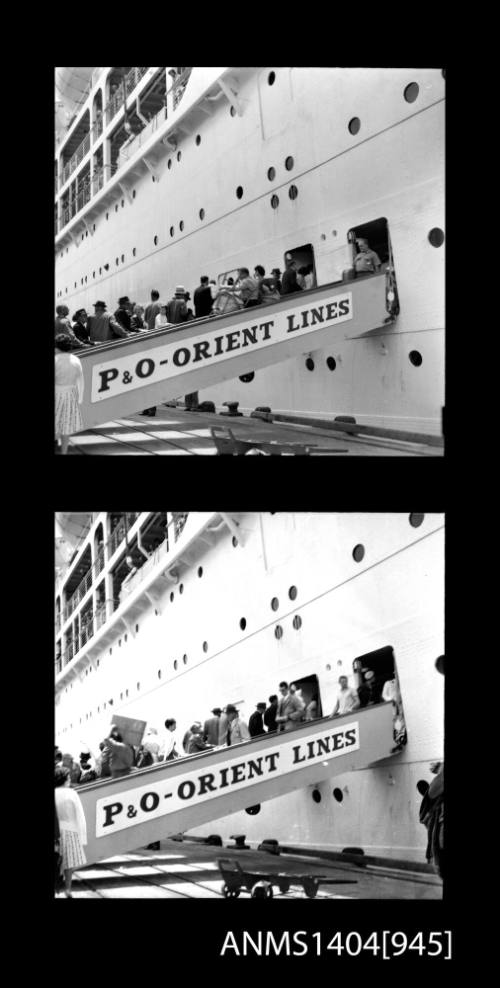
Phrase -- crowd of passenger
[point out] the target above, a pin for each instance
(209, 299)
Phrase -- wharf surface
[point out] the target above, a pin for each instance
(189, 870)
(177, 432)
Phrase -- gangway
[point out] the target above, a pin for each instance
(153, 803)
(127, 375)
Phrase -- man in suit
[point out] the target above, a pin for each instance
(211, 728)
(238, 730)
(271, 712)
(290, 709)
(203, 298)
(256, 722)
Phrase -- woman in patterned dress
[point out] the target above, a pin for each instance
(69, 390)
(72, 827)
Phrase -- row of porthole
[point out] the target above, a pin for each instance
(414, 356)
(337, 794)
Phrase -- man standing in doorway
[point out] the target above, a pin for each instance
(290, 709)
(347, 699)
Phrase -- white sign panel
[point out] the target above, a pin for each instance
(121, 374)
(160, 797)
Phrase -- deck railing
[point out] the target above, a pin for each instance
(132, 78)
(75, 159)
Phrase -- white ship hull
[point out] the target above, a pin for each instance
(392, 168)
(191, 653)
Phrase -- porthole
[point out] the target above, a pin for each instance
(126, 693)
(155, 240)
(271, 174)
(133, 193)
(198, 140)
(358, 553)
(232, 111)
(293, 192)
(126, 638)
(202, 214)
(200, 571)
(239, 192)
(85, 279)
(338, 795)
(169, 163)
(436, 237)
(119, 642)
(415, 358)
(297, 622)
(331, 363)
(234, 541)
(275, 603)
(416, 520)
(247, 378)
(159, 673)
(181, 225)
(243, 623)
(175, 663)
(136, 628)
(253, 810)
(134, 251)
(93, 227)
(93, 274)
(172, 597)
(156, 612)
(138, 686)
(316, 795)
(184, 659)
(171, 231)
(123, 203)
(354, 125)
(411, 92)
(271, 78)
(100, 270)
(310, 364)
(121, 698)
(117, 260)
(422, 786)
(179, 155)
(123, 258)
(205, 646)
(107, 216)
(289, 163)
(116, 208)
(278, 632)
(181, 588)
(275, 201)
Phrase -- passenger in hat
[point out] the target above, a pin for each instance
(102, 326)
(215, 728)
(80, 328)
(177, 308)
(123, 314)
(366, 261)
(69, 386)
(256, 722)
(238, 730)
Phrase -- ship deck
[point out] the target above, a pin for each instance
(177, 432)
(185, 870)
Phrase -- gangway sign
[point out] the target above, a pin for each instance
(124, 376)
(129, 812)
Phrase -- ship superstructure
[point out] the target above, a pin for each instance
(169, 173)
(169, 614)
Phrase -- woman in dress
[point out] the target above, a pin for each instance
(69, 391)
(72, 827)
